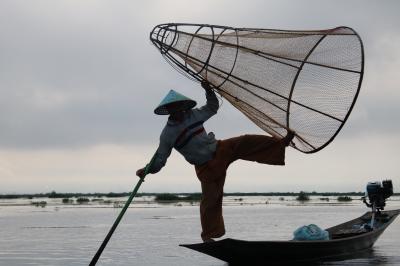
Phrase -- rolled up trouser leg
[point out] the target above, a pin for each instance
(212, 221)
(212, 177)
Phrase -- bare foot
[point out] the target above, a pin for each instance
(289, 137)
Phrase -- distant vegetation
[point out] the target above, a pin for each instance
(188, 196)
(39, 203)
(344, 198)
(303, 196)
(96, 199)
(175, 197)
(167, 197)
(82, 200)
(118, 195)
(67, 200)
(192, 197)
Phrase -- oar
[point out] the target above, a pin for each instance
(121, 214)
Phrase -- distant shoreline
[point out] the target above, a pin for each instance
(54, 194)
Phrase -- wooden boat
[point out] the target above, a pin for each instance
(346, 239)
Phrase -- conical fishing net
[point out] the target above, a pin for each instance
(306, 81)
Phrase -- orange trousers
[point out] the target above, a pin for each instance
(257, 148)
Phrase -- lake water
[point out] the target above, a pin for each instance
(150, 233)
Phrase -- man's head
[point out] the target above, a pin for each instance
(173, 104)
(175, 112)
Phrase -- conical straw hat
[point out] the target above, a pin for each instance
(174, 97)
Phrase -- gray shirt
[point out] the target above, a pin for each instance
(188, 136)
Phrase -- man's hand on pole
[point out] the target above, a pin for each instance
(141, 172)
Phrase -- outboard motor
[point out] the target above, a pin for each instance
(376, 194)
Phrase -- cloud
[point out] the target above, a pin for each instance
(77, 73)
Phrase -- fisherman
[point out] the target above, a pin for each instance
(184, 131)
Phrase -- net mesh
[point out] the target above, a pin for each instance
(306, 81)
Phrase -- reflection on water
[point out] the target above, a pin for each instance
(150, 233)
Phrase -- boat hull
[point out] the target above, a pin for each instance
(262, 252)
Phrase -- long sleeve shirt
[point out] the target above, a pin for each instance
(188, 136)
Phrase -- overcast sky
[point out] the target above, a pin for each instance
(79, 81)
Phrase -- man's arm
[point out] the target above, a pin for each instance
(160, 158)
(212, 104)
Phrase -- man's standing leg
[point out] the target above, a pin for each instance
(212, 221)
(212, 177)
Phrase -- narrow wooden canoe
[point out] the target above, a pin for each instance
(346, 239)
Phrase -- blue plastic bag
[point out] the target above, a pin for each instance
(310, 232)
